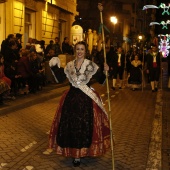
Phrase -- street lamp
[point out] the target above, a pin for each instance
(140, 37)
(114, 21)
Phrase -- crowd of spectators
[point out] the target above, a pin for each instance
(26, 70)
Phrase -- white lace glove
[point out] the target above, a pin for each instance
(54, 61)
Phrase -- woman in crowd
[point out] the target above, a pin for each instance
(5, 82)
(24, 70)
(81, 127)
(38, 72)
(135, 78)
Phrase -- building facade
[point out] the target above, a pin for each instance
(132, 19)
(38, 19)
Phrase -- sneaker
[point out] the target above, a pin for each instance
(76, 163)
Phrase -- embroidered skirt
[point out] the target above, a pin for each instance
(80, 128)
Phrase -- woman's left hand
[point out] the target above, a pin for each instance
(106, 67)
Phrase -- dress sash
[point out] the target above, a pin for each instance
(88, 91)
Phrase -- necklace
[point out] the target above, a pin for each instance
(77, 68)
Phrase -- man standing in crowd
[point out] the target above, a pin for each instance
(5, 44)
(56, 47)
(49, 47)
(116, 65)
(153, 67)
(19, 41)
(66, 47)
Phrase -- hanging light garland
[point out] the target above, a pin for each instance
(164, 39)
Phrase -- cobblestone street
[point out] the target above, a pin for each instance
(25, 129)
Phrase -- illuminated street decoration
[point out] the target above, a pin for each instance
(166, 8)
(164, 39)
(164, 44)
(162, 5)
(163, 23)
(154, 23)
(149, 6)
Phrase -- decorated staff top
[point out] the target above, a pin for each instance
(100, 7)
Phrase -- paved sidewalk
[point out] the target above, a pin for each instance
(48, 92)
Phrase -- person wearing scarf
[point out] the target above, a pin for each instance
(153, 67)
(80, 126)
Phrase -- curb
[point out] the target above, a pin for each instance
(155, 147)
(49, 92)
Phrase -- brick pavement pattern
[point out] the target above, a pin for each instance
(24, 132)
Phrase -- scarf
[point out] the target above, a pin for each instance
(80, 78)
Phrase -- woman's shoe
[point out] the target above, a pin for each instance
(76, 163)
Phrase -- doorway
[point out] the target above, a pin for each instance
(29, 25)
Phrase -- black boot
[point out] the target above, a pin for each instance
(76, 162)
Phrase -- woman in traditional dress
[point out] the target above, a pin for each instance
(81, 127)
(135, 78)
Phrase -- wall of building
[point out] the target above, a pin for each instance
(2, 21)
(35, 19)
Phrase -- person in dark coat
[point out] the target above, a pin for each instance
(19, 41)
(153, 67)
(48, 48)
(116, 64)
(38, 72)
(5, 44)
(66, 47)
(10, 62)
(11, 57)
(23, 69)
(56, 47)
